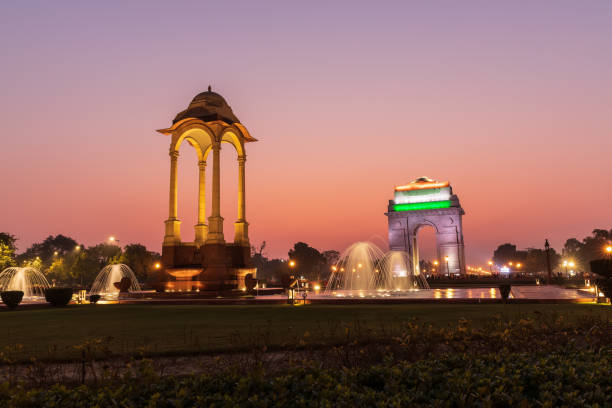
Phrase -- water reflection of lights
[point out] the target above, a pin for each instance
(534, 292)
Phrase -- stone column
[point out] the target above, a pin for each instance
(241, 234)
(173, 225)
(215, 221)
(416, 267)
(201, 229)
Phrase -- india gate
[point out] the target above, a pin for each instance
(210, 262)
(428, 202)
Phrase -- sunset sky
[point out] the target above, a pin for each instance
(510, 101)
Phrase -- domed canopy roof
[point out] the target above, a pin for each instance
(208, 106)
(424, 179)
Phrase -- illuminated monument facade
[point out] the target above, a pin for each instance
(425, 202)
(208, 263)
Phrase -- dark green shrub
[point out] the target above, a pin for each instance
(575, 379)
(58, 296)
(94, 298)
(504, 291)
(603, 268)
(11, 298)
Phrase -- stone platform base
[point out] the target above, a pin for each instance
(210, 267)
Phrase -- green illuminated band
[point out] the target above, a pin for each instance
(422, 206)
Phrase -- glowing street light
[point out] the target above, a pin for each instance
(446, 258)
(490, 267)
(291, 263)
(77, 248)
(567, 264)
(608, 249)
(157, 265)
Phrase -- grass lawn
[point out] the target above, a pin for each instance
(170, 329)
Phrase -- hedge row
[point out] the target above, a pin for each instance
(580, 378)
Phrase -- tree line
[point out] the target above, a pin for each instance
(575, 252)
(308, 262)
(64, 261)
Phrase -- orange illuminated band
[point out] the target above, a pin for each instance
(422, 186)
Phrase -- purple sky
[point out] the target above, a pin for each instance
(510, 101)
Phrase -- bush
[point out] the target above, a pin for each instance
(94, 298)
(11, 298)
(504, 291)
(603, 267)
(58, 296)
(493, 380)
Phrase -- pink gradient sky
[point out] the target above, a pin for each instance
(510, 101)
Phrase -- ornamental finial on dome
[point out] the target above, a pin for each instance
(209, 88)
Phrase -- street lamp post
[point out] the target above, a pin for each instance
(547, 247)
(77, 249)
(490, 267)
(446, 258)
(291, 290)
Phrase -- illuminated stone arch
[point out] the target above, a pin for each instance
(236, 136)
(425, 202)
(201, 137)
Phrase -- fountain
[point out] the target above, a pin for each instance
(28, 280)
(104, 284)
(365, 269)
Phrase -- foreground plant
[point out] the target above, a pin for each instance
(539, 360)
